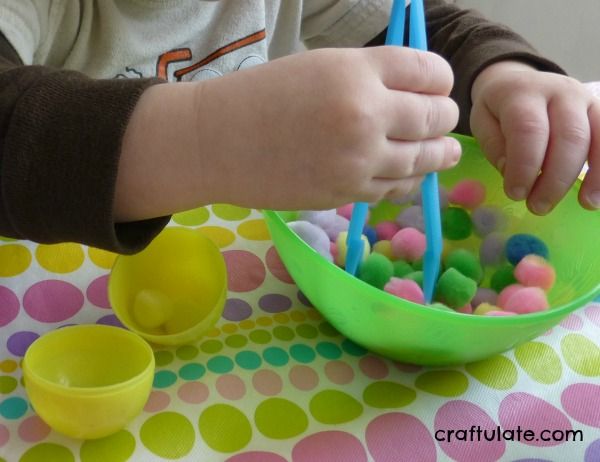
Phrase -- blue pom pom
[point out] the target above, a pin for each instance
(520, 245)
(371, 234)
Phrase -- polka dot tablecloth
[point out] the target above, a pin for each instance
(275, 382)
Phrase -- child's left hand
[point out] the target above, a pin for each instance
(538, 129)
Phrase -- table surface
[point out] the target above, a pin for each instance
(275, 382)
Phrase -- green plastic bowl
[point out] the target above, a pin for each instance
(412, 333)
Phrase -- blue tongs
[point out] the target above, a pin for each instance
(429, 187)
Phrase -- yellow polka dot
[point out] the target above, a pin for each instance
(264, 321)
(298, 316)
(102, 258)
(60, 258)
(14, 259)
(8, 365)
(254, 230)
(229, 328)
(314, 314)
(281, 318)
(230, 212)
(214, 332)
(219, 235)
(247, 324)
(194, 217)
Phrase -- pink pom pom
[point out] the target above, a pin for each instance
(506, 293)
(499, 313)
(409, 244)
(386, 230)
(405, 288)
(469, 194)
(527, 300)
(467, 309)
(535, 271)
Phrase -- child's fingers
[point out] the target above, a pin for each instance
(589, 194)
(526, 126)
(395, 189)
(567, 152)
(486, 129)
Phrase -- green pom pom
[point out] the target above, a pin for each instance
(456, 224)
(504, 276)
(416, 276)
(418, 265)
(402, 268)
(466, 262)
(376, 270)
(455, 289)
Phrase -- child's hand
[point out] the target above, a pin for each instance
(538, 129)
(323, 128)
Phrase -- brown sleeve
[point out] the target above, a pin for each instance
(60, 141)
(469, 42)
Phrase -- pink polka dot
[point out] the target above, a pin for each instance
(193, 392)
(339, 372)
(276, 266)
(10, 306)
(593, 313)
(373, 367)
(405, 367)
(453, 423)
(157, 401)
(267, 382)
(398, 436)
(572, 322)
(97, 292)
(52, 301)
(231, 387)
(531, 412)
(4, 435)
(329, 446)
(582, 402)
(256, 456)
(245, 271)
(33, 429)
(303, 377)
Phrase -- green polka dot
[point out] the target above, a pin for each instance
(236, 341)
(211, 346)
(13, 408)
(497, 372)
(224, 428)
(47, 452)
(280, 419)
(581, 354)
(194, 217)
(540, 361)
(334, 407)
(168, 434)
(275, 356)
(164, 379)
(187, 352)
(7, 384)
(328, 330)
(329, 350)
(302, 353)
(307, 331)
(192, 371)
(388, 395)
(260, 336)
(248, 360)
(220, 364)
(283, 333)
(443, 383)
(352, 348)
(230, 212)
(114, 448)
(163, 358)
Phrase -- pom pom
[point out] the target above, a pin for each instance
(484, 295)
(152, 308)
(342, 248)
(376, 270)
(321, 218)
(455, 289)
(467, 309)
(456, 224)
(487, 219)
(416, 276)
(506, 294)
(484, 308)
(503, 277)
(417, 198)
(491, 251)
(313, 236)
(468, 194)
(533, 270)
(406, 289)
(337, 226)
(500, 313)
(411, 217)
(346, 211)
(527, 300)
(402, 268)
(408, 244)
(384, 248)
(371, 235)
(520, 245)
(386, 230)
(465, 262)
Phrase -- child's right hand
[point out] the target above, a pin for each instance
(323, 128)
